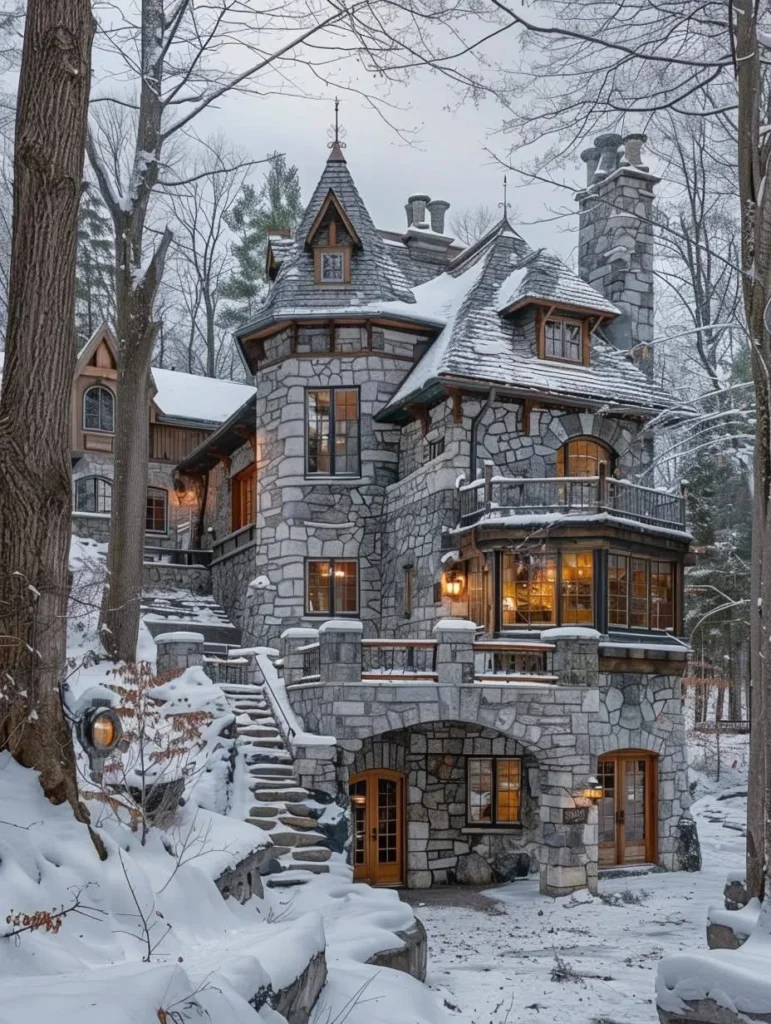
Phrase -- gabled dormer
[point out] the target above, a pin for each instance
(332, 238)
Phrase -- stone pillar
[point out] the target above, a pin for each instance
(294, 659)
(568, 853)
(178, 651)
(340, 643)
(455, 651)
(576, 655)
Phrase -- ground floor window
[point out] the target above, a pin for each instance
(93, 494)
(493, 787)
(529, 590)
(331, 587)
(156, 510)
(243, 498)
(641, 593)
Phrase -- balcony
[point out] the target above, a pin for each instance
(526, 500)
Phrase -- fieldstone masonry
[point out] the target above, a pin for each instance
(426, 729)
(178, 651)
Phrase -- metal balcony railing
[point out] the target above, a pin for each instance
(398, 659)
(500, 497)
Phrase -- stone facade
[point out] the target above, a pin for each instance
(196, 579)
(179, 651)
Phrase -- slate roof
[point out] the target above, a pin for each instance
(478, 344)
(375, 276)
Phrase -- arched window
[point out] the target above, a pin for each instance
(99, 410)
(155, 517)
(581, 456)
(93, 494)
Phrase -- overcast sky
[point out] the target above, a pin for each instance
(446, 159)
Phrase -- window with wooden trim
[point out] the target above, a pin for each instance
(332, 261)
(577, 588)
(99, 410)
(156, 517)
(331, 586)
(409, 584)
(477, 604)
(565, 339)
(243, 498)
(493, 790)
(93, 494)
(529, 590)
(332, 432)
(641, 593)
(583, 456)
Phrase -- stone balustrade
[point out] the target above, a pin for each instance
(178, 651)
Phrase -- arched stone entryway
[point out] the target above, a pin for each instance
(469, 811)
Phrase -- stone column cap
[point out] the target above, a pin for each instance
(455, 626)
(568, 632)
(181, 637)
(341, 626)
(300, 632)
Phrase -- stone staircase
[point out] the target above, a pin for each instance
(171, 610)
(279, 805)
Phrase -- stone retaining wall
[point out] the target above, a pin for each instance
(163, 576)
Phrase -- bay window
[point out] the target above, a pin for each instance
(331, 587)
(640, 593)
(529, 585)
(332, 432)
(577, 588)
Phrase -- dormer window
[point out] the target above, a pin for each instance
(331, 265)
(565, 339)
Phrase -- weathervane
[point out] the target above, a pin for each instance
(504, 205)
(337, 133)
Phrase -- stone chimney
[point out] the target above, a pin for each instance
(615, 238)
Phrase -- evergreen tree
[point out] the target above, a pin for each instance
(276, 205)
(95, 295)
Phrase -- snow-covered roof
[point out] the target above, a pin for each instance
(188, 396)
(480, 344)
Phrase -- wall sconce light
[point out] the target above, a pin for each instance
(593, 790)
(358, 800)
(454, 584)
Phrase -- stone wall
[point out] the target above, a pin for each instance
(95, 525)
(441, 845)
(165, 576)
(230, 579)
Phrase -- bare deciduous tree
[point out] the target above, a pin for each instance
(35, 496)
(468, 226)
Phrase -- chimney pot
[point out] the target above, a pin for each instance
(608, 146)
(591, 158)
(437, 208)
(633, 144)
(418, 203)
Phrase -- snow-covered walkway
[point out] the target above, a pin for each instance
(514, 959)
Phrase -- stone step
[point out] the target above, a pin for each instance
(301, 824)
(264, 811)
(264, 769)
(301, 810)
(271, 793)
(312, 854)
(262, 732)
(289, 865)
(271, 759)
(292, 840)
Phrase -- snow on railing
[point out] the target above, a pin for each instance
(398, 659)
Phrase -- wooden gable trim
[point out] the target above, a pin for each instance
(101, 334)
(551, 304)
(332, 200)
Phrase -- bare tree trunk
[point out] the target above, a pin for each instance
(36, 491)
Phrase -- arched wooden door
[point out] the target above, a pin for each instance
(628, 810)
(377, 814)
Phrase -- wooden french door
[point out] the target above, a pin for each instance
(628, 808)
(377, 813)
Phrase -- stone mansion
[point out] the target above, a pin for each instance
(438, 504)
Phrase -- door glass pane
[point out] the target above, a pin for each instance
(358, 793)
(634, 817)
(479, 786)
(387, 821)
(606, 773)
(577, 587)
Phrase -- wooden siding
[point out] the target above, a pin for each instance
(171, 444)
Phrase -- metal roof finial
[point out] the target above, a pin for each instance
(505, 205)
(336, 132)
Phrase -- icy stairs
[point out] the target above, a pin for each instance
(282, 807)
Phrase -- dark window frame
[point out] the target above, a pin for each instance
(494, 822)
(95, 479)
(156, 492)
(435, 448)
(563, 318)
(100, 429)
(333, 613)
(315, 474)
(409, 590)
(649, 560)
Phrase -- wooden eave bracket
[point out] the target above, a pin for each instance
(457, 405)
(420, 412)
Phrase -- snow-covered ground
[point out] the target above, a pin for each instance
(515, 957)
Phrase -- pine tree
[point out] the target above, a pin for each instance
(277, 205)
(95, 296)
